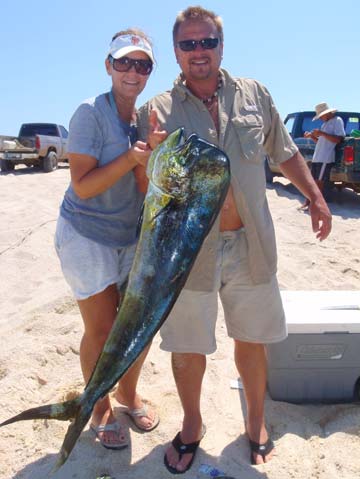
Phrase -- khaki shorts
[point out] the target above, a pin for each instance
(253, 313)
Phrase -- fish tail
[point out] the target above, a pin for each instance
(74, 430)
(78, 409)
(62, 411)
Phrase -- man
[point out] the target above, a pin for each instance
(238, 258)
(330, 134)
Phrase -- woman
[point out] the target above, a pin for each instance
(95, 236)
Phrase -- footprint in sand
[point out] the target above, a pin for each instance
(3, 372)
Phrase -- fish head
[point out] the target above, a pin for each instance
(167, 165)
(177, 166)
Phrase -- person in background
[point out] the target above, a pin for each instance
(330, 134)
(96, 230)
(238, 257)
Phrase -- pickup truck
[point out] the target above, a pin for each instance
(38, 144)
(346, 169)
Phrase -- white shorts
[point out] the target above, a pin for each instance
(253, 313)
(90, 267)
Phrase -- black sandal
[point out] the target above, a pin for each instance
(261, 449)
(182, 449)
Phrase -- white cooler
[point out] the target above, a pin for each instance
(320, 359)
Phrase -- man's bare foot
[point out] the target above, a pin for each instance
(304, 206)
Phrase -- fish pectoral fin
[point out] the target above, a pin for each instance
(164, 209)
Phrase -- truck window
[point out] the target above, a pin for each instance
(289, 123)
(308, 124)
(64, 132)
(32, 129)
(352, 124)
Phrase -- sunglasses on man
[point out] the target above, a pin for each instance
(124, 64)
(205, 43)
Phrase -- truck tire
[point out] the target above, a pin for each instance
(50, 162)
(7, 165)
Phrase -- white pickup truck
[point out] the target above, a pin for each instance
(38, 144)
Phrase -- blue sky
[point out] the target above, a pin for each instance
(52, 53)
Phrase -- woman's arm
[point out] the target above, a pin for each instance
(88, 179)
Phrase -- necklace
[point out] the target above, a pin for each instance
(207, 101)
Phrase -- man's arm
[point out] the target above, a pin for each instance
(333, 138)
(310, 134)
(297, 171)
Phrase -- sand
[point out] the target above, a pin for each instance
(40, 330)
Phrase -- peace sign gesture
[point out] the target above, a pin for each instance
(155, 135)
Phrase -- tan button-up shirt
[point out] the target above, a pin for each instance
(248, 124)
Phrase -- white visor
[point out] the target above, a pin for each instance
(124, 44)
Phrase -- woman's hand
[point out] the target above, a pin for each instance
(139, 153)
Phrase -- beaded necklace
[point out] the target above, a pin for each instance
(207, 101)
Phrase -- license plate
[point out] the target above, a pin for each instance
(12, 156)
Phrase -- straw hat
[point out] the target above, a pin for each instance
(322, 109)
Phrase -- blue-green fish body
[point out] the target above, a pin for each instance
(188, 184)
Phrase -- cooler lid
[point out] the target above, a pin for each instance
(322, 311)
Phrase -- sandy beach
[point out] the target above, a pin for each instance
(40, 331)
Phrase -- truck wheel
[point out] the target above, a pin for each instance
(7, 165)
(269, 175)
(50, 162)
(357, 391)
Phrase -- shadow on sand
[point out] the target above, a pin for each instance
(344, 203)
(32, 170)
(119, 465)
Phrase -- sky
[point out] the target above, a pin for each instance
(52, 53)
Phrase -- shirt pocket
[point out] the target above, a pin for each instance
(249, 130)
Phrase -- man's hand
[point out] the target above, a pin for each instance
(155, 136)
(297, 171)
(320, 218)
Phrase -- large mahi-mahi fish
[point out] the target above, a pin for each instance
(188, 184)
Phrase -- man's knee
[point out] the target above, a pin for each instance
(182, 363)
(244, 348)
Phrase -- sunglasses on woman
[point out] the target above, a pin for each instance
(124, 64)
(205, 43)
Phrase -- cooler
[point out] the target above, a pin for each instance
(320, 359)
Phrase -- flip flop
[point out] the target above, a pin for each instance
(261, 449)
(113, 427)
(182, 449)
(134, 414)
